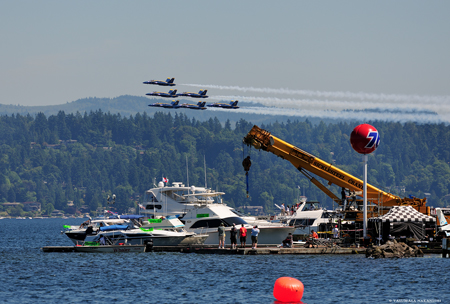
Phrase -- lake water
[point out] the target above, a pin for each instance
(29, 275)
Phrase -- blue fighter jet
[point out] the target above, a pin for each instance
(171, 93)
(172, 105)
(200, 94)
(231, 105)
(199, 106)
(168, 82)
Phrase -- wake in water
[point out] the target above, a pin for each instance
(347, 105)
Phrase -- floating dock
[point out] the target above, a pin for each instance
(276, 250)
(205, 249)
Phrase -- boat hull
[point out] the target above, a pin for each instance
(111, 248)
(160, 238)
(267, 236)
(76, 237)
(195, 240)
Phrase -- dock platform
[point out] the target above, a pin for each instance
(277, 251)
(205, 249)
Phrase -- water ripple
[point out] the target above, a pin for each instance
(32, 276)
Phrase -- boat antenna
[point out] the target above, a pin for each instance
(187, 170)
(204, 164)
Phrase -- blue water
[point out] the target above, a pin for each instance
(29, 275)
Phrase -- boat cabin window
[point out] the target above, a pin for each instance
(150, 197)
(151, 207)
(301, 222)
(237, 220)
(328, 215)
(176, 196)
(214, 223)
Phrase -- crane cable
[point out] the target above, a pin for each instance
(246, 163)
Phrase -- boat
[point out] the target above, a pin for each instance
(202, 210)
(95, 248)
(130, 229)
(77, 234)
(172, 223)
(308, 216)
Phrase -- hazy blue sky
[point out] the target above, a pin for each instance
(321, 52)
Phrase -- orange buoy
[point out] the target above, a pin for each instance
(288, 289)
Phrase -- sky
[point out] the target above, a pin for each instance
(321, 58)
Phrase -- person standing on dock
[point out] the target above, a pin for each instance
(255, 232)
(233, 236)
(221, 232)
(243, 235)
(336, 232)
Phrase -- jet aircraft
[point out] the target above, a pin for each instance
(171, 93)
(231, 105)
(198, 106)
(200, 94)
(168, 82)
(172, 105)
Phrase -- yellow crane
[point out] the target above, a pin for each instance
(308, 163)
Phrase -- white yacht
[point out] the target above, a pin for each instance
(308, 216)
(202, 211)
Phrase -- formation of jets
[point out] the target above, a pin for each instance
(175, 103)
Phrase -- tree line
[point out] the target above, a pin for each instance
(73, 161)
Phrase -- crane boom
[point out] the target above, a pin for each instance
(302, 160)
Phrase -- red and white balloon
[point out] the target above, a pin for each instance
(364, 139)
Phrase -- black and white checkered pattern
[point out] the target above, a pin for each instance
(403, 214)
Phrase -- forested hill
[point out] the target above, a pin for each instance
(127, 105)
(84, 157)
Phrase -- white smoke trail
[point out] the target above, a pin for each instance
(338, 104)
(334, 95)
(348, 115)
(393, 107)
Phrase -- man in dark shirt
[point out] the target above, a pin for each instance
(233, 236)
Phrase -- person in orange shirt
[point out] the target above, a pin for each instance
(243, 235)
(314, 234)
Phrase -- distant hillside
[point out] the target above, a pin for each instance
(128, 105)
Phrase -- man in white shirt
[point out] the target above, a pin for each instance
(335, 232)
